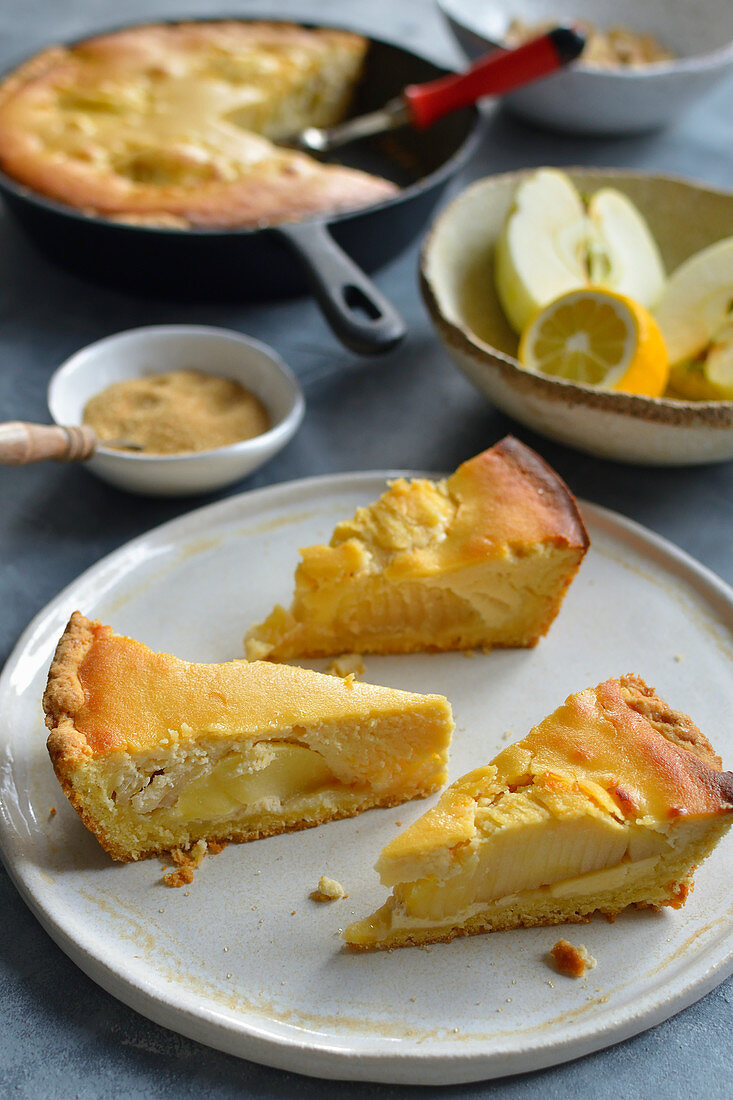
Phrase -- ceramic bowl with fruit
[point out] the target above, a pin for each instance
(644, 64)
(594, 307)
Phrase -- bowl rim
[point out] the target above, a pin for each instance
(278, 433)
(687, 63)
(664, 410)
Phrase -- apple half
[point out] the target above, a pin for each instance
(695, 315)
(552, 244)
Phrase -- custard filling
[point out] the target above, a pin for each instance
(234, 785)
(259, 777)
(410, 909)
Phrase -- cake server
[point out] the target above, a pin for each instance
(420, 105)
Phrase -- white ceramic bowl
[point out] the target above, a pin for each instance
(582, 99)
(157, 350)
(458, 286)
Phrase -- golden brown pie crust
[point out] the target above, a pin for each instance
(170, 124)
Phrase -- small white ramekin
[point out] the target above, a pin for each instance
(157, 350)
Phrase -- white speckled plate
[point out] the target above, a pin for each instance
(242, 959)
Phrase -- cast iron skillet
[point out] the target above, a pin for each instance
(328, 254)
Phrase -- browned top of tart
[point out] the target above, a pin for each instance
(617, 746)
(107, 692)
(173, 124)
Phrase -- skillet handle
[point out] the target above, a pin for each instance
(359, 315)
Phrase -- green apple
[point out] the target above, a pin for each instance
(540, 253)
(719, 363)
(622, 254)
(687, 381)
(710, 377)
(697, 305)
(551, 245)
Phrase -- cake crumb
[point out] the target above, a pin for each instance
(257, 651)
(328, 889)
(680, 892)
(398, 824)
(469, 652)
(182, 877)
(678, 657)
(348, 665)
(52, 812)
(572, 961)
(186, 862)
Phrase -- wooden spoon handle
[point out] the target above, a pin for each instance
(22, 443)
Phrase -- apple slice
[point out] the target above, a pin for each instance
(698, 302)
(622, 254)
(550, 245)
(709, 377)
(719, 364)
(540, 253)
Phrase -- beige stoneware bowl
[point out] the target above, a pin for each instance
(458, 287)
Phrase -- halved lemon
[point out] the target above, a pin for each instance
(598, 338)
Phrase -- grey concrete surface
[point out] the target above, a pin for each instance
(61, 1035)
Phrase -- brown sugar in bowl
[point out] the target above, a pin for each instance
(181, 411)
(161, 349)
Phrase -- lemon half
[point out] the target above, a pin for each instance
(597, 338)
